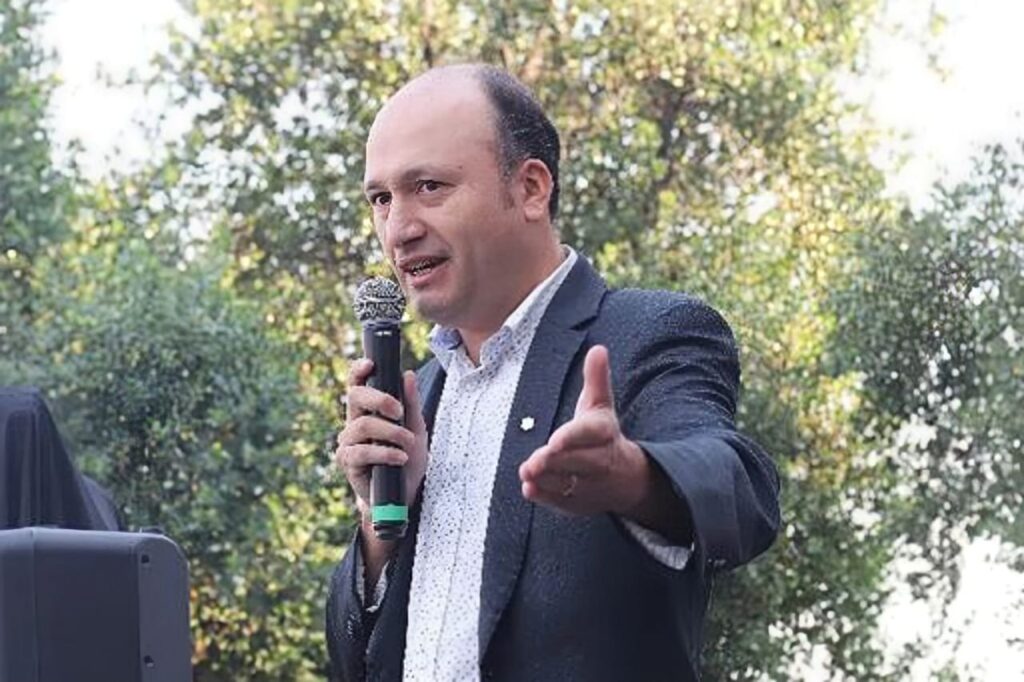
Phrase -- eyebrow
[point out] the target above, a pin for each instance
(408, 176)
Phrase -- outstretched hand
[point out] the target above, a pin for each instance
(588, 466)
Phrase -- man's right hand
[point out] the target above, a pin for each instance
(367, 426)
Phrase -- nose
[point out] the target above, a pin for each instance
(402, 224)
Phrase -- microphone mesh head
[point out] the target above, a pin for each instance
(379, 299)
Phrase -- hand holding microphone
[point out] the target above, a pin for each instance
(383, 448)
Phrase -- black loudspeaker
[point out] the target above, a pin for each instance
(92, 606)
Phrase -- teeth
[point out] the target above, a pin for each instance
(422, 267)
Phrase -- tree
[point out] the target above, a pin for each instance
(173, 392)
(703, 150)
(931, 317)
(34, 195)
(177, 396)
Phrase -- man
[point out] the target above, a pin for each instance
(571, 451)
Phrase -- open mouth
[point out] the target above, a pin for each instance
(422, 266)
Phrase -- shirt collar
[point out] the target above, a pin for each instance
(445, 342)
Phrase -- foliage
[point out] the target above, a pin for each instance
(703, 151)
(34, 196)
(175, 395)
(194, 324)
(931, 318)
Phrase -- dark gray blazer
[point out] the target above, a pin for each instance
(577, 598)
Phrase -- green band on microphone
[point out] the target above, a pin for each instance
(390, 512)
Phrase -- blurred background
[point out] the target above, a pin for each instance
(182, 229)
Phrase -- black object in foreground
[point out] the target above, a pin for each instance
(92, 606)
(379, 305)
(39, 483)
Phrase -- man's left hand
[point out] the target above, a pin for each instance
(588, 466)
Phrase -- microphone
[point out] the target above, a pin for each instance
(379, 304)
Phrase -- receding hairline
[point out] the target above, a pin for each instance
(418, 88)
(519, 127)
(473, 72)
(469, 73)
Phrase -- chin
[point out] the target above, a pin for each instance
(445, 303)
(433, 310)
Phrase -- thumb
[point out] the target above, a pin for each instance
(413, 412)
(597, 381)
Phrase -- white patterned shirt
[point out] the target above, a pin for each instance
(442, 639)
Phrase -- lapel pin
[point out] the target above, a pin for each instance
(527, 424)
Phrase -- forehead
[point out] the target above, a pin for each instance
(437, 123)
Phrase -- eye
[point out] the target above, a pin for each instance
(428, 186)
(380, 199)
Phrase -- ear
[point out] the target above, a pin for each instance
(535, 183)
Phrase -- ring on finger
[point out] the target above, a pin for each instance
(570, 485)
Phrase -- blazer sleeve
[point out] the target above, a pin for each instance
(348, 627)
(680, 408)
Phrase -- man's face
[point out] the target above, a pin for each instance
(441, 208)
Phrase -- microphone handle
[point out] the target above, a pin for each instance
(382, 343)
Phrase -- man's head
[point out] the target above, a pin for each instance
(461, 173)
(522, 128)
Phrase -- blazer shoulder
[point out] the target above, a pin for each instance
(657, 309)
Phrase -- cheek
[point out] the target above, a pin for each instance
(382, 239)
(379, 227)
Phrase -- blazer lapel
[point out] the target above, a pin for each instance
(429, 383)
(556, 343)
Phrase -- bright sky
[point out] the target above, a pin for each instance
(945, 121)
(96, 39)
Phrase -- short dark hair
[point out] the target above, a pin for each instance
(523, 129)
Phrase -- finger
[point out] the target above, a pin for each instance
(355, 458)
(358, 372)
(553, 484)
(534, 493)
(363, 400)
(536, 464)
(597, 381)
(542, 464)
(552, 494)
(545, 463)
(372, 428)
(590, 429)
(414, 420)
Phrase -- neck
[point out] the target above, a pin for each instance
(474, 336)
